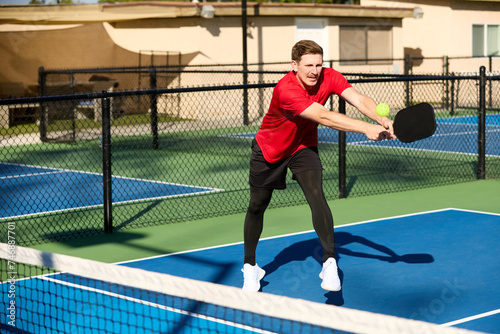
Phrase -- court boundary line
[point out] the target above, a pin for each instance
(400, 145)
(146, 303)
(372, 144)
(447, 324)
(62, 170)
(324, 316)
(471, 318)
(46, 277)
(413, 149)
(114, 203)
(29, 175)
(305, 232)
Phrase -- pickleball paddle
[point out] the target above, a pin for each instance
(415, 123)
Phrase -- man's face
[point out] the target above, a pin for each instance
(308, 69)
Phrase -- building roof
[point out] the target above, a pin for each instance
(83, 14)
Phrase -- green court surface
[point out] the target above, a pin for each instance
(482, 195)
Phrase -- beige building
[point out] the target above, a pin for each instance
(451, 28)
(377, 34)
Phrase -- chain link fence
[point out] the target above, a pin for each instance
(86, 161)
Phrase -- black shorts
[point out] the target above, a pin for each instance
(273, 175)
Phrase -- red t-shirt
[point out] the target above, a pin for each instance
(283, 132)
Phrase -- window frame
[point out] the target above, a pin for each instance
(486, 40)
(367, 38)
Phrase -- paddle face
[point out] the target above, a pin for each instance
(415, 123)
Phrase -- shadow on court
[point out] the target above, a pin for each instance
(302, 250)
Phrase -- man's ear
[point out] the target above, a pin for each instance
(294, 66)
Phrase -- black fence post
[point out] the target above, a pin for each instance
(244, 108)
(408, 71)
(154, 108)
(106, 164)
(490, 90)
(481, 140)
(331, 97)
(452, 97)
(342, 155)
(446, 67)
(73, 109)
(245, 62)
(42, 77)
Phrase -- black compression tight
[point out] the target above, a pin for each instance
(254, 221)
(311, 184)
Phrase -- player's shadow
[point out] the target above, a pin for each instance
(300, 251)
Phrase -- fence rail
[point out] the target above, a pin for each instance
(84, 164)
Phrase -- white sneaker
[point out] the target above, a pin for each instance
(329, 275)
(251, 277)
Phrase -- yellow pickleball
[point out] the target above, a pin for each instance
(383, 110)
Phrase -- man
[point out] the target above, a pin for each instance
(288, 139)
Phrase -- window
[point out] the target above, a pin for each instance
(485, 40)
(366, 45)
(315, 29)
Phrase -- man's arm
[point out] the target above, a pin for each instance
(319, 114)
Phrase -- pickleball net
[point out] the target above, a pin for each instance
(52, 293)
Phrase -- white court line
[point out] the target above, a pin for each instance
(150, 304)
(448, 324)
(47, 277)
(370, 143)
(29, 175)
(295, 233)
(471, 318)
(61, 170)
(115, 203)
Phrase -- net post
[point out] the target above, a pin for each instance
(154, 108)
(106, 163)
(481, 140)
(342, 154)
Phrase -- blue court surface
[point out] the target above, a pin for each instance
(52, 190)
(441, 267)
(453, 135)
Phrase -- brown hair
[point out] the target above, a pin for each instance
(304, 47)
